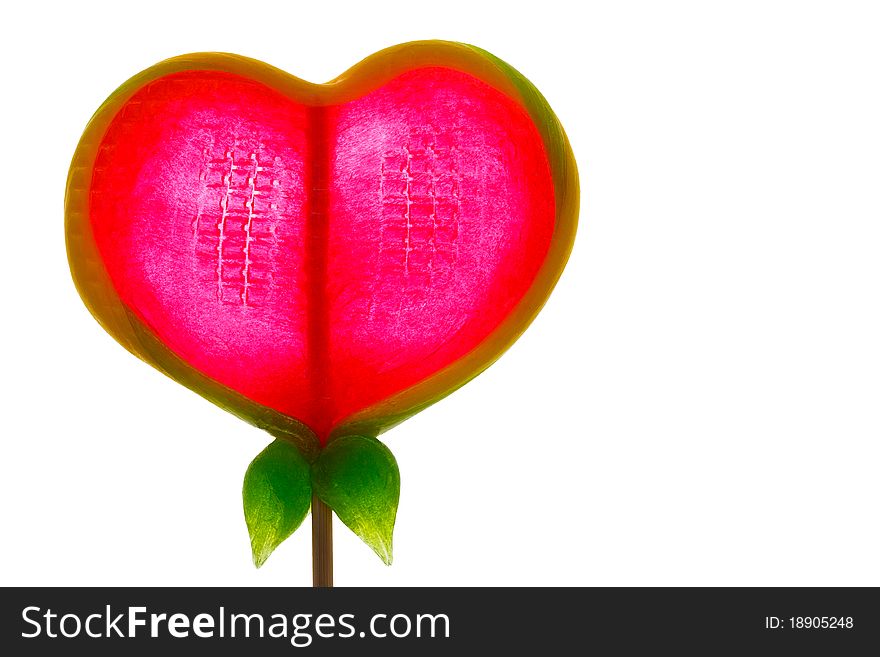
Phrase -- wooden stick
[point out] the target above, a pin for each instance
(322, 544)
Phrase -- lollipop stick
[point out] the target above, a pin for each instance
(322, 544)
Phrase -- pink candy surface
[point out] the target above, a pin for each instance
(321, 259)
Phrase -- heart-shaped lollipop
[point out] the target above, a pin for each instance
(322, 260)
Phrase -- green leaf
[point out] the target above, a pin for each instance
(357, 477)
(277, 494)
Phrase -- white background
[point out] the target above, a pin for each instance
(696, 405)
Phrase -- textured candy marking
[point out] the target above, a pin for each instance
(252, 183)
(238, 211)
(419, 188)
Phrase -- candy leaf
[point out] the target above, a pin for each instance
(277, 494)
(357, 477)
